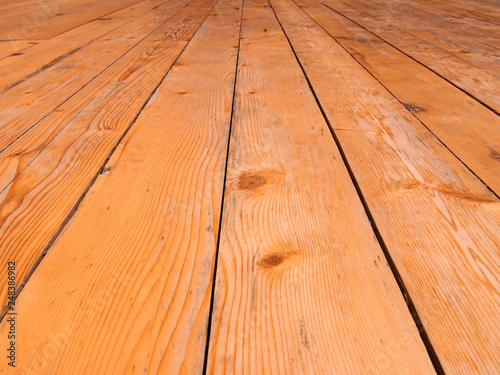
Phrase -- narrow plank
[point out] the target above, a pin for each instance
(46, 19)
(134, 266)
(17, 67)
(480, 84)
(298, 262)
(434, 28)
(438, 221)
(466, 127)
(27, 103)
(55, 161)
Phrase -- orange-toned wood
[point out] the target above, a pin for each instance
(302, 285)
(438, 221)
(126, 288)
(18, 66)
(477, 82)
(54, 162)
(466, 127)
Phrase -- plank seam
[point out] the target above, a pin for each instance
(411, 307)
(56, 60)
(411, 57)
(90, 81)
(212, 299)
(73, 211)
(399, 101)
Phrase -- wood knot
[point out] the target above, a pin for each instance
(273, 260)
(495, 155)
(413, 108)
(250, 182)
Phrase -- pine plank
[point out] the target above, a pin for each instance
(46, 19)
(25, 104)
(480, 84)
(478, 47)
(55, 161)
(19, 66)
(134, 266)
(466, 127)
(298, 262)
(438, 221)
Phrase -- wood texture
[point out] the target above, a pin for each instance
(481, 84)
(29, 102)
(439, 222)
(56, 160)
(162, 192)
(28, 62)
(298, 261)
(467, 128)
(46, 19)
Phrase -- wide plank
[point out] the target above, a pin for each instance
(134, 266)
(467, 128)
(482, 85)
(298, 262)
(439, 223)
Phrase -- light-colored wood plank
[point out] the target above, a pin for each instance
(467, 128)
(438, 221)
(46, 19)
(478, 47)
(133, 268)
(55, 161)
(298, 262)
(24, 105)
(18, 66)
(481, 84)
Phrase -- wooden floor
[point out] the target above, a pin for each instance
(250, 186)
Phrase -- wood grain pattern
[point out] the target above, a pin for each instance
(29, 102)
(20, 65)
(439, 223)
(52, 165)
(467, 128)
(298, 262)
(154, 217)
(481, 84)
(46, 19)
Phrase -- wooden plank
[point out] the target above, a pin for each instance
(24, 105)
(466, 127)
(438, 221)
(478, 47)
(67, 149)
(46, 19)
(480, 84)
(134, 266)
(298, 262)
(19, 66)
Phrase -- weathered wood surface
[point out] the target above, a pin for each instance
(163, 192)
(440, 224)
(298, 261)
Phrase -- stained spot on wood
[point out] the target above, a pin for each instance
(250, 182)
(265, 30)
(362, 40)
(413, 108)
(251, 93)
(182, 92)
(303, 335)
(105, 19)
(60, 14)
